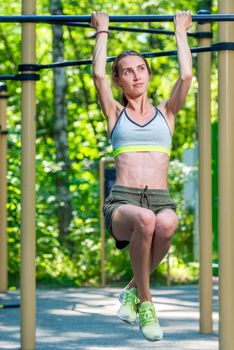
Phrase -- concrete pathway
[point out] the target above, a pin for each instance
(84, 319)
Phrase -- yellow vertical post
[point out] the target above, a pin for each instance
(168, 270)
(226, 181)
(205, 187)
(102, 224)
(28, 304)
(102, 165)
(3, 189)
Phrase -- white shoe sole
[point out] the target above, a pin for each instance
(152, 340)
(125, 320)
(120, 297)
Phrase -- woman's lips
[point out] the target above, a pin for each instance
(138, 85)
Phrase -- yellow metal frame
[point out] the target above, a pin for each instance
(28, 174)
(226, 187)
(3, 192)
(102, 165)
(205, 187)
(226, 181)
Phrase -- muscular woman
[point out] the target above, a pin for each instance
(139, 212)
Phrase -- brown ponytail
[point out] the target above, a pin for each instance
(124, 100)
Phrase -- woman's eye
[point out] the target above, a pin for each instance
(127, 72)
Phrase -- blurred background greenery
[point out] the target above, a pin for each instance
(70, 256)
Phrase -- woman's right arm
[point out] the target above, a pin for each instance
(110, 107)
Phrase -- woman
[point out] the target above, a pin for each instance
(139, 211)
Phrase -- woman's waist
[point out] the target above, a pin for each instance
(137, 184)
(140, 179)
(116, 188)
(141, 169)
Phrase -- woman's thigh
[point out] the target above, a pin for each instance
(127, 216)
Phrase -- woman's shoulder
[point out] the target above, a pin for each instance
(120, 109)
(116, 112)
(162, 106)
(113, 119)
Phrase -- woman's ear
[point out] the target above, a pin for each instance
(117, 82)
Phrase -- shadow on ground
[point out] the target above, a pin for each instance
(85, 319)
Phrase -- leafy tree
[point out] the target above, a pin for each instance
(86, 140)
(63, 202)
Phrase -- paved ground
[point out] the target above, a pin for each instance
(84, 319)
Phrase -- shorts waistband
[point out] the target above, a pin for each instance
(137, 190)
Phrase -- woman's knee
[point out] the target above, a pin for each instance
(145, 223)
(166, 225)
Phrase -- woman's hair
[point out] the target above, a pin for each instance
(115, 68)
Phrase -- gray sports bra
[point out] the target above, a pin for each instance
(128, 136)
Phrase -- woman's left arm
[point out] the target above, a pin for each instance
(182, 23)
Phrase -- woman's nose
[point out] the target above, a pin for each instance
(136, 75)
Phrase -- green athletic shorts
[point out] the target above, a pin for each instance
(154, 199)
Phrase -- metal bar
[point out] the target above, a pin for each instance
(21, 77)
(36, 67)
(168, 269)
(102, 223)
(28, 109)
(133, 29)
(124, 29)
(205, 188)
(111, 59)
(103, 161)
(3, 190)
(226, 183)
(8, 77)
(121, 19)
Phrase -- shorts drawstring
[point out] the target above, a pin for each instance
(145, 195)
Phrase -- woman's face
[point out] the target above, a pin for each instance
(133, 75)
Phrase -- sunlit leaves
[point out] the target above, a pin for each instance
(87, 138)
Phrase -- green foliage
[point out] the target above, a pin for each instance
(180, 272)
(78, 262)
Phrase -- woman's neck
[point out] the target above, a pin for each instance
(141, 105)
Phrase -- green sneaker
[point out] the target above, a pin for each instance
(149, 324)
(129, 305)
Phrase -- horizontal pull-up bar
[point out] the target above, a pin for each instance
(222, 46)
(139, 30)
(127, 18)
(21, 77)
(111, 59)
(212, 48)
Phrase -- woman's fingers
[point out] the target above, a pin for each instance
(99, 20)
(183, 18)
(92, 22)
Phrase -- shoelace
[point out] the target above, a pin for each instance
(148, 316)
(131, 300)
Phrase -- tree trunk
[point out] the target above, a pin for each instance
(63, 197)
